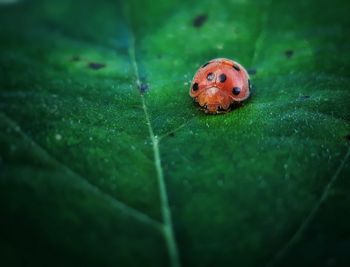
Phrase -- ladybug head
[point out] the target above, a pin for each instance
(213, 100)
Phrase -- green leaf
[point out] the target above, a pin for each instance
(106, 161)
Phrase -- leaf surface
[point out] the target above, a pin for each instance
(105, 160)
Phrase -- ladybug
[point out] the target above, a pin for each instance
(218, 84)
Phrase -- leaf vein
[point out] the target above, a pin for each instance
(136, 214)
(165, 208)
(305, 223)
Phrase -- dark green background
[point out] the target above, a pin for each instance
(264, 185)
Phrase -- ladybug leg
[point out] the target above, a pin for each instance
(205, 109)
(221, 110)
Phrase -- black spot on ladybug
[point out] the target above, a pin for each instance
(236, 90)
(251, 71)
(222, 78)
(96, 66)
(199, 20)
(210, 76)
(289, 53)
(236, 67)
(143, 87)
(76, 58)
(203, 66)
(195, 86)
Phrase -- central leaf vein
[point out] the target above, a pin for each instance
(168, 230)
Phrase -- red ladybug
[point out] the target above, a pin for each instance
(218, 84)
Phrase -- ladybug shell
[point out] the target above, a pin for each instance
(218, 84)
